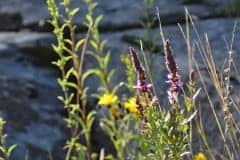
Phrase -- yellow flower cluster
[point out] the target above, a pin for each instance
(131, 106)
(108, 99)
(111, 100)
(200, 156)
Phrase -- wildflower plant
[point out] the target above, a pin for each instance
(137, 125)
(72, 80)
(117, 124)
(164, 133)
(173, 76)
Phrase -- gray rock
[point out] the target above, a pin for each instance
(36, 47)
(117, 14)
(10, 21)
(35, 125)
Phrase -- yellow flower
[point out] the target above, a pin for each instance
(200, 156)
(108, 99)
(131, 105)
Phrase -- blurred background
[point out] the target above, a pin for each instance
(28, 87)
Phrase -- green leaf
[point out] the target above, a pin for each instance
(69, 73)
(110, 75)
(57, 49)
(103, 44)
(79, 44)
(89, 19)
(10, 149)
(94, 44)
(74, 12)
(61, 98)
(63, 28)
(106, 59)
(74, 108)
(92, 5)
(95, 71)
(81, 122)
(109, 157)
(72, 85)
(67, 58)
(87, 74)
(84, 93)
(90, 119)
(2, 149)
(68, 41)
(65, 84)
(62, 84)
(66, 3)
(68, 51)
(57, 63)
(98, 20)
(185, 121)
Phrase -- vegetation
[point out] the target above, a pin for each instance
(136, 123)
(138, 126)
(5, 151)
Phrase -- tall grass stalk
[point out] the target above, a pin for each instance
(221, 82)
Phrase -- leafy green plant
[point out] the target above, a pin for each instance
(72, 79)
(164, 134)
(129, 72)
(117, 124)
(5, 151)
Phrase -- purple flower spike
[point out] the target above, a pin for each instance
(142, 84)
(137, 64)
(173, 77)
(169, 59)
